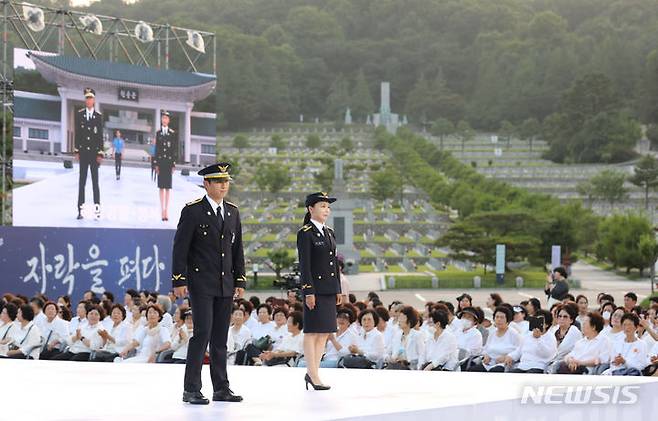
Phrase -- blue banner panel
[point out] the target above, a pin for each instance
(70, 261)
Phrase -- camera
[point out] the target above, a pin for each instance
(290, 280)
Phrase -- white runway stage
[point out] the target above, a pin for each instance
(131, 202)
(50, 390)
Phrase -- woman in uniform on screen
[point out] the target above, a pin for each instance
(166, 153)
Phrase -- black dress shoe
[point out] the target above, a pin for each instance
(79, 216)
(195, 398)
(226, 395)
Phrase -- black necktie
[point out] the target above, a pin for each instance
(220, 218)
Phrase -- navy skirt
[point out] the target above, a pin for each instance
(322, 319)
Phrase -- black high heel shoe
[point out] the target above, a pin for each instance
(308, 380)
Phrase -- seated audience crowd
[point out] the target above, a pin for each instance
(571, 336)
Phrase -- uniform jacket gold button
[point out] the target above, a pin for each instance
(222, 273)
(333, 274)
(331, 263)
(196, 269)
(222, 254)
(319, 277)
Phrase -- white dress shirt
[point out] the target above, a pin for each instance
(500, 346)
(59, 329)
(75, 323)
(442, 351)
(470, 341)
(573, 335)
(241, 337)
(585, 349)
(372, 345)
(149, 340)
(122, 334)
(40, 320)
(535, 353)
(27, 338)
(635, 354)
(319, 226)
(263, 329)
(410, 347)
(5, 329)
(87, 332)
(345, 339)
(292, 343)
(214, 205)
(251, 323)
(279, 333)
(179, 345)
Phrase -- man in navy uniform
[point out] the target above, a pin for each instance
(89, 149)
(208, 260)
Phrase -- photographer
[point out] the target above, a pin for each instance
(537, 347)
(556, 287)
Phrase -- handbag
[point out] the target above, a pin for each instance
(263, 343)
(355, 361)
(400, 365)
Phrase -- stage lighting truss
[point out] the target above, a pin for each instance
(71, 32)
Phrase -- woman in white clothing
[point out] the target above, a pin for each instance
(86, 338)
(500, 343)
(615, 332)
(116, 338)
(520, 323)
(7, 317)
(265, 326)
(338, 345)
(181, 340)
(469, 337)
(239, 331)
(280, 331)
(149, 340)
(291, 346)
(369, 348)
(590, 351)
(81, 317)
(441, 350)
(630, 356)
(565, 332)
(537, 349)
(583, 308)
(25, 336)
(55, 332)
(408, 346)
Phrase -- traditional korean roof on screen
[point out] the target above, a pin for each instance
(124, 72)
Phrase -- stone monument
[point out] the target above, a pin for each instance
(385, 117)
(348, 116)
(342, 220)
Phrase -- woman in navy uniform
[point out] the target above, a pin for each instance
(320, 278)
(166, 153)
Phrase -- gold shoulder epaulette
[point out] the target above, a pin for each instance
(81, 110)
(306, 227)
(194, 201)
(171, 130)
(230, 203)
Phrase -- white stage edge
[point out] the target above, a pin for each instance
(51, 390)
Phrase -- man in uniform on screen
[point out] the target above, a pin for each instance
(89, 149)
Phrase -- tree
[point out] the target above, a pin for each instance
(313, 141)
(507, 130)
(240, 142)
(385, 183)
(475, 237)
(626, 241)
(347, 144)
(608, 186)
(465, 132)
(278, 142)
(528, 130)
(338, 99)
(362, 102)
(279, 260)
(645, 175)
(442, 128)
(273, 177)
